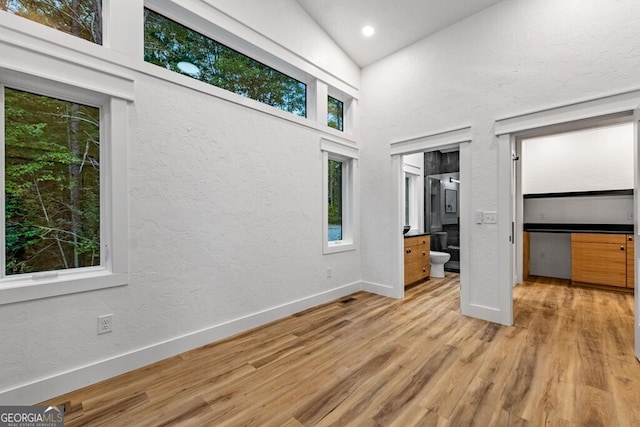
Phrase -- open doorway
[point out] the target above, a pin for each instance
(453, 204)
(573, 189)
(588, 114)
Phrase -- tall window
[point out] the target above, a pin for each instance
(82, 18)
(52, 183)
(335, 114)
(178, 48)
(335, 200)
(338, 192)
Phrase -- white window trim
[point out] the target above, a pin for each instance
(113, 192)
(348, 154)
(413, 174)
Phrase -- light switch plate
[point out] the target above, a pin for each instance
(490, 217)
(478, 217)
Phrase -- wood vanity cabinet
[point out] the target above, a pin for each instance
(601, 259)
(417, 264)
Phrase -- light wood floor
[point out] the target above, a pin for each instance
(372, 361)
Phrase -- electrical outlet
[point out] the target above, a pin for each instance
(105, 324)
(328, 271)
(490, 217)
(629, 215)
(541, 216)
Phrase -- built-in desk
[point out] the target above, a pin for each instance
(601, 254)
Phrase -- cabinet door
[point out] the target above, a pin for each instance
(630, 262)
(599, 263)
(411, 265)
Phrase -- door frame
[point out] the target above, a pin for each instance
(555, 120)
(458, 138)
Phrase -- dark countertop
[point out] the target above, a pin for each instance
(579, 228)
(416, 233)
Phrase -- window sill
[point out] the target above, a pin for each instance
(339, 246)
(13, 291)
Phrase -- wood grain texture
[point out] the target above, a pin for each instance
(417, 263)
(599, 258)
(366, 360)
(631, 271)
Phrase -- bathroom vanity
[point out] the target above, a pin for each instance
(417, 266)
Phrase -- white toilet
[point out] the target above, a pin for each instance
(438, 260)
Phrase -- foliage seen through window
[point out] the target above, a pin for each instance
(335, 114)
(81, 18)
(52, 183)
(183, 50)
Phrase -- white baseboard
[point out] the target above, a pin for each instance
(490, 314)
(379, 289)
(65, 382)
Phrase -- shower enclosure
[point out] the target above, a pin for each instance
(441, 213)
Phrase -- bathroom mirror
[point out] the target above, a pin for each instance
(450, 201)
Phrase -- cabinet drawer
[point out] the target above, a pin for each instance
(416, 241)
(410, 241)
(599, 263)
(618, 239)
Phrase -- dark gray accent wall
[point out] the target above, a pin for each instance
(436, 162)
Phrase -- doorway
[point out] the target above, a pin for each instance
(457, 140)
(563, 119)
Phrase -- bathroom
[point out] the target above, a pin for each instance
(431, 201)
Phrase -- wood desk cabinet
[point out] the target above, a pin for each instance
(630, 261)
(417, 264)
(602, 259)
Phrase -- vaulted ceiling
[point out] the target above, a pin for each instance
(397, 23)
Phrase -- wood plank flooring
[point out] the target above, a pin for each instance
(367, 360)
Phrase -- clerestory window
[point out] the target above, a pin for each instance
(178, 48)
(81, 18)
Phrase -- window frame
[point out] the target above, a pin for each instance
(411, 193)
(296, 76)
(113, 269)
(348, 155)
(329, 98)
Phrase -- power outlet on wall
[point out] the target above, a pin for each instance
(105, 324)
(329, 271)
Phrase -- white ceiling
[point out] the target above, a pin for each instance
(398, 23)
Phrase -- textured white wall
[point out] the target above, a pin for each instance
(225, 217)
(516, 57)
(588, 160)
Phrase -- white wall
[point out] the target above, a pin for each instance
(588, 160)
(579, 210)
(550, 255)
(225, 215)
(516, 57)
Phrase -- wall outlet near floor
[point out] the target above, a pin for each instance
(105, 324)
(328, 271)
(629, 215)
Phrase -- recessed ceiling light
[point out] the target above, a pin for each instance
(368, 30)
